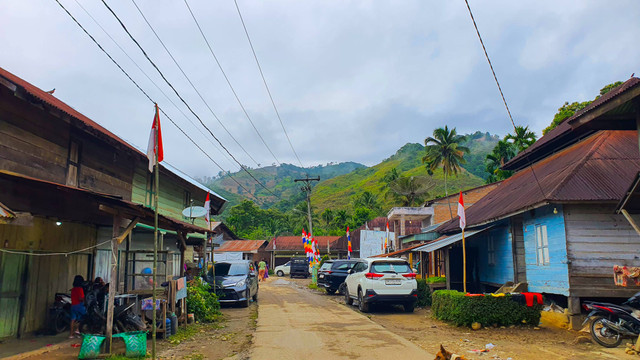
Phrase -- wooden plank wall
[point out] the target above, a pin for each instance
(517, 233)
(502, 270)
(598, 239)
(47, 275)
(554, 277)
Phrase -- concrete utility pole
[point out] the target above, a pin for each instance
(307, 188)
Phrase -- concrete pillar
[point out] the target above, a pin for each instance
(575, 313)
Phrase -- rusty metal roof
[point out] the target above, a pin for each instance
(564, 135)
(599, 168)
(293, 243)
(245, 246)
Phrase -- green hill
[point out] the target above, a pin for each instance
(337, 193)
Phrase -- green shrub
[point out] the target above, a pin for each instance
(436, 280)
(453, 306)
(201, 301)
(424, 293)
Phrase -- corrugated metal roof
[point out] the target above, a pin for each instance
(398, 252)
(440, 243)
(294, 243)
(247, 246)
(599, 168)
(563, 134)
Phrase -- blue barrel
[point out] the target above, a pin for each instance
(174, 324)
(168, 328)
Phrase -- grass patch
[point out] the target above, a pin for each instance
(253, 317)
(313, 286)
(190, 331)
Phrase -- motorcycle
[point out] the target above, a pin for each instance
(611, 322)
(60, 313)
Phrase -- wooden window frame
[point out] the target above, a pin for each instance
(73, 165)
(542, 244)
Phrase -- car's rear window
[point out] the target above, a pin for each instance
(390, 267)
(230, 269)
(343, 266)
(298, 261)
(326, 266)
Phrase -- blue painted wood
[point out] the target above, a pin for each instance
(502, 270)
(554, 277)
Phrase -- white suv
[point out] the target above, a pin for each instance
(381, 280)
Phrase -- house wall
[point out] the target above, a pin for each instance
(38, 278)
(36, 143)
(598, 239)
(554, 277)
(502, 270)
(517, 234)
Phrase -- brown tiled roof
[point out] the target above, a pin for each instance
(599, 168)
(295, 242)
(563, 135)
(241, 246)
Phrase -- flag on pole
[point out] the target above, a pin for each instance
(207, 206)
(386, 238)
(348, 245)
(313, 249)
(463, 218)
(154, 147)
(274, 243)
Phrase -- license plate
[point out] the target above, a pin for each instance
(321, 276)
(392, 281)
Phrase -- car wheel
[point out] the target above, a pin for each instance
(347, 299)
(331, 291)
(362, 306)
(280, 273)
(247, 301)
(408, 308)
(341, 288)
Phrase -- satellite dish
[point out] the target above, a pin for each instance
(194, 212)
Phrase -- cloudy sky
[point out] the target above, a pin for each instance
(353, 80)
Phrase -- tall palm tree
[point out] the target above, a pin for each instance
(502, 152)
(410, 190)
(327, 216)
(522, 137)
(445, 150)
(341, 219)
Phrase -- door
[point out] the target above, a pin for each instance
(11, 277)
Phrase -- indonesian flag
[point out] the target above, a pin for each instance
(463, 218)
(154, 147)
(207, 206)
(348, 245)
(274, 243)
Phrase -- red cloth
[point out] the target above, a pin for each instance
(77, 296)
(529, 297)
(468, 294)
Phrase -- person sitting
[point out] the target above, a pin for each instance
(77, 305)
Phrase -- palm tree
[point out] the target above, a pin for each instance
(366, 200)
(522, 137)
(411, 189)
(327, 217)
(502, 152)
(390, 176)
(444, 150)
(341, 219)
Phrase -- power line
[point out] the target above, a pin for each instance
(183, 101)
(265, 83)
(486, 55)
(228, 82)
(153, 82)
(184, 74)
(147, 95)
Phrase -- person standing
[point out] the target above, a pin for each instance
(262, 267)
(77, 305)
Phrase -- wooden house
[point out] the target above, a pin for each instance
(553, 225)
(68, 185)
(254, 250)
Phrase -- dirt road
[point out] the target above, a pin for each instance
(297, 324)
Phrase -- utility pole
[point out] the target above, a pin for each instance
(307, 188)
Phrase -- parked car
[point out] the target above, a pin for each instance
(381, 280)
(236, 281)
(332, 274)
(282, 270)
(299, 267)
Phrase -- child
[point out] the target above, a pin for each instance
(77, 305)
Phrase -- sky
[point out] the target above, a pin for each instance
(352, 80)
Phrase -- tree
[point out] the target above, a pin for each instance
(361, 215)
(444, 150)
(327, 217)
(390, 176)
(367, 200)
(410, 190)
(568, 110)
(341, 219)
(502, 152)
(522, 137)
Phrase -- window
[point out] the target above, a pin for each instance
(491, 251)
(542, 245)
(148, 198)
(73, 163)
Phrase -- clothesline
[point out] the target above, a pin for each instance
(56, 253)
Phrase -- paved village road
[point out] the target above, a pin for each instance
(296, 324)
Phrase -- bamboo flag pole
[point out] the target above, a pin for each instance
(155, 246)
(464, 264)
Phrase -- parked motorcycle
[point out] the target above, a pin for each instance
(60, 313)
(611, 322)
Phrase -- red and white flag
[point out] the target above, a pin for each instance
(207, 206)
(386, 238)
(463, 218)
(154, 147)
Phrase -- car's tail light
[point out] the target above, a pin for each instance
(328, 271)
(410, 275)
(373, 276)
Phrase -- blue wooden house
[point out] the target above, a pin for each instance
(554, 224)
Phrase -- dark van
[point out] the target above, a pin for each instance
(299, 267)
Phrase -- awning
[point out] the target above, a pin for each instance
(437, 245)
